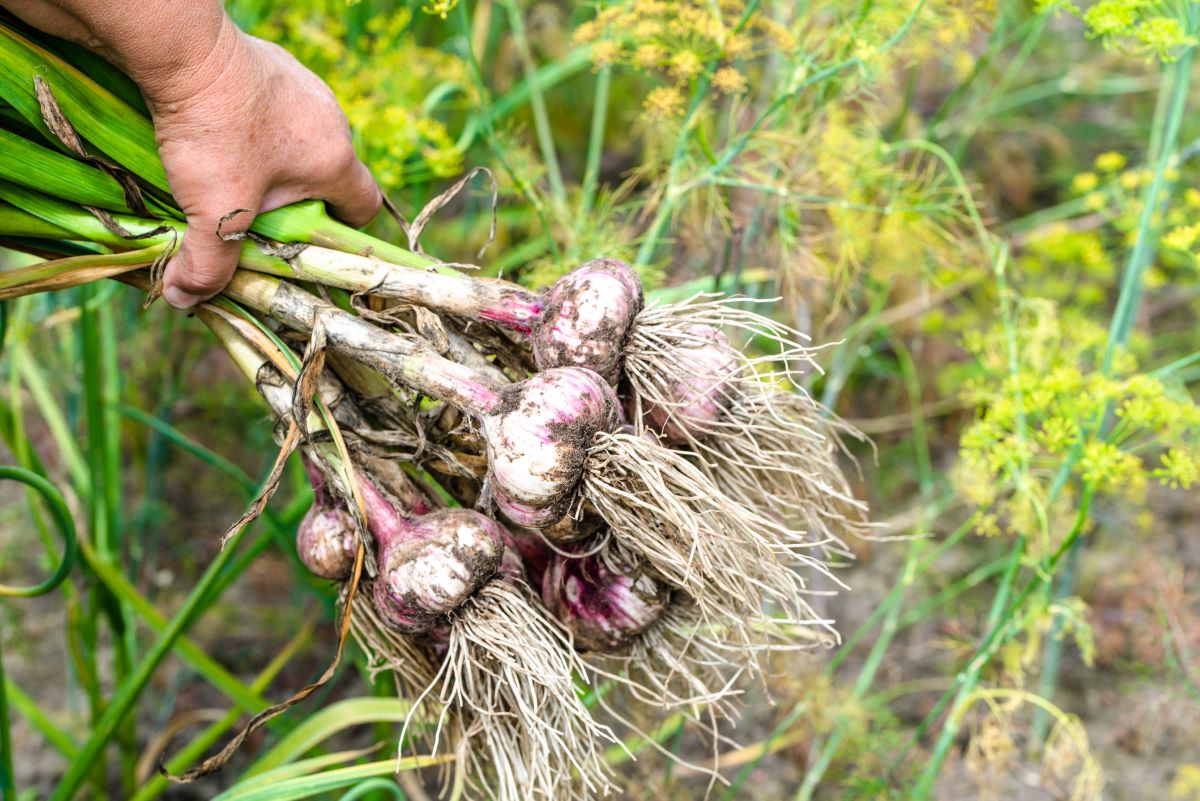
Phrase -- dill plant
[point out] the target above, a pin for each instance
(397, 93)
(760, 146)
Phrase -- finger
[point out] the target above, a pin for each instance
(353, 197)
(205, 261)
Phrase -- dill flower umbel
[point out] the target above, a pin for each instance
(382, 79)
(1134, 26)
(683, 40)
(1120, 429)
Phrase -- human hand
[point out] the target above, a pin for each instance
(249, 128)
(240, 123)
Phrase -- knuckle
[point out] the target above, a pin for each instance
(201, 273)
(198, 280)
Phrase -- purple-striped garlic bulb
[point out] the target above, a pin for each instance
(326, 538)
(326, 542)
(602, 600)
(430, 565)
(586, 317)
(538, 436)
(693, 404)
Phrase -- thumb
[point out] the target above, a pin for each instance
(354, 197)
(206, 261)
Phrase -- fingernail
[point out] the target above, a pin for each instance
(179, 299)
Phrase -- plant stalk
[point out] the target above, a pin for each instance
(1164, 142)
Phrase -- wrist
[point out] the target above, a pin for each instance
(200, 43)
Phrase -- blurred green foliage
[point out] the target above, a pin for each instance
(956, 199)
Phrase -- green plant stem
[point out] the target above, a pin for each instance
(908, 576)
(27, 708)
(102, 512)
(894, 597)
(8, 789)
(666, 208)
(953, 590)
(731, 792)
(996, 636)
(537, 102)
(130, 688)
(1146, 244)
(187, 444)
(205, 740)
(194, 656)
(997, 620)
(489, 135)
(63, 523)
(674, 190)
(1001, 38)
(999, 615)
(543, 78)
(591, 172)
(1164, 140)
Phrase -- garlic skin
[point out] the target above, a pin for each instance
(586, 318)
(697, 401)
(433, 564)
(326, 542)
(538, 436)
(602, 599)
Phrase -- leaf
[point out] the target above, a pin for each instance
(15, 222)
(48, 276)
(85, 60)
(329, 721)
(100, 116)
(311, 785)
(46, 170)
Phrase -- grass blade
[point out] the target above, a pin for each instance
(327, 722)
(100, 116)
(309, 786)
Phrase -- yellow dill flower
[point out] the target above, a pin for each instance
(648, 56)
(610, 15)
(647, 29)
(738, 45)
(1058, 434)
(685, 65)
(987, 525)
(1111, 18)
(665, 101)
(1085, 182)
(1110, 161)
(779, 36)
(964, 64)
(586, 32)
(1181, 238)
(1132, 179)
(1180, 469)
(1106, 465)
(729, 81)
(714, 30)
(606, 51)
(1096, 201)
(441, 8)
(1162, 35)
(1191, 196)
(654, 8)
